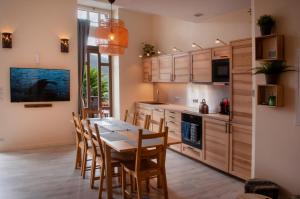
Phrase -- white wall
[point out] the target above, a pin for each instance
(131, 84)
(277, 138)
(37, 26)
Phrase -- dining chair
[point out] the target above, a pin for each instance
(87, 150)
(134, 117)
(98, 160)
(150, 121)
(86, 113)
(79, 141)
(145, 165)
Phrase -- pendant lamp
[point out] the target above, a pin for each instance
(112, 35)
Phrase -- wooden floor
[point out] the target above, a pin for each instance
(49, 173)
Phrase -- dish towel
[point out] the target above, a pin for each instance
(186, 130)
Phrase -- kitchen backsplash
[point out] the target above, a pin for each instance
(188, 94)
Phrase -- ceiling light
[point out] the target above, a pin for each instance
(112, 35)
(176, 49)
(158, 52)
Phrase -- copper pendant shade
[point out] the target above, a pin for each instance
(112, 36)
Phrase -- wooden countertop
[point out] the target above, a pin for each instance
(186, 109)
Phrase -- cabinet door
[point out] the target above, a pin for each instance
(142, 112)
(240, 150)
(147, 71)
(216, 143)
(221, 52)
(157, 114)
(181, 67)
(154, 69)
(201, 66)
(241, 82)
(165, 68)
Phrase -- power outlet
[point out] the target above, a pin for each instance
(195, 101)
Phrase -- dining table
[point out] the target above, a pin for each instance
(122, 137)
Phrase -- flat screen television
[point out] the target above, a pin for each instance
(39, 85)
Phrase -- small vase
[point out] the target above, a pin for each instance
(271, 79)
(265, 30)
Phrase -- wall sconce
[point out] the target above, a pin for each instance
(218, 41)
(194, 45)
(6, 40)
(64, 45)
(176, 49)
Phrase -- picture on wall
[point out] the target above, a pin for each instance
(39, 85)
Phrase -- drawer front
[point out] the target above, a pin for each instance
(175, 133)
(173, 116)
(191, 152)
(176, 147)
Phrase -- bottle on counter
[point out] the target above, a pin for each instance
(203, 107)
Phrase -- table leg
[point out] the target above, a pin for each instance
(108, 171)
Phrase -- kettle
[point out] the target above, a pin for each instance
(203, 107)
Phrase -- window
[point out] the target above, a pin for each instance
(97, 81)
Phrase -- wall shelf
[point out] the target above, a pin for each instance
(270, 47)
(264, 92)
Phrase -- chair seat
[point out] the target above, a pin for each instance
(146, 165)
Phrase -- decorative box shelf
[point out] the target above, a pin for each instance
(270, 47)
(264, 92)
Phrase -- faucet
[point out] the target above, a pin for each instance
(157, 95)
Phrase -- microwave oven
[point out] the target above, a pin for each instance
(220, 70)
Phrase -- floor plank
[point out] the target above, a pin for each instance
(49, 173)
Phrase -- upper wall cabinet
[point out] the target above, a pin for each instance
(221, 52)
(165, 63)
(181, 67)
(201, 66)
(147, 70)
(241, 55)
(155, 69)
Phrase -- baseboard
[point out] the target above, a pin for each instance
(37, 146)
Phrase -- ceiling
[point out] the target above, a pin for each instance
(184, 9)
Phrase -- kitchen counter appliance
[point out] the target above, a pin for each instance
(191, 130)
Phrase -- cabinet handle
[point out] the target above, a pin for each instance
(149, 78)
(172, 117)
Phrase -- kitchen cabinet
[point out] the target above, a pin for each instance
(240, 150)
(165, 63)
(181, 67)
(154, 69)
(147, 70)
(157, 114)
(191, 152)
(173, 122)
(222, 52)
(241, 82)
(201, 69)
(216, 143)
(142, 112)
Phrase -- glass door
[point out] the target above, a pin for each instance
(97, 83)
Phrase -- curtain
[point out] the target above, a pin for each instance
(83, 28)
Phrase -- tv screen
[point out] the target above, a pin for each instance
(39, 85)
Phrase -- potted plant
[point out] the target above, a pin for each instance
(266, 23)
(272, 70)
(148, 50)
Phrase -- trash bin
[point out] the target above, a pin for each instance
(263, 187)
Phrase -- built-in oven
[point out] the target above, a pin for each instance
(191, 130)
(220, 70)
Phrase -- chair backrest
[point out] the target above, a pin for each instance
(91, 113)
(149, 152)
(78, 128)
(159, 123)
(133, 117)
(86, 135)
(95, 140)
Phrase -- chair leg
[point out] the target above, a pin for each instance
(93, 171)
(165, 185)
(78, 157)
(123, 182)
(148, 185)
(139, 187)
(120, 175)
(101, 181)
(132, 184)
(83, 164)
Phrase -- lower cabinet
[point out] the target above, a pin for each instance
(240, 150)
(142, 112)
(216, 143)
(157, 114)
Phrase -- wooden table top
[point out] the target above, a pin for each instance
(252, 196)
(123, 137)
